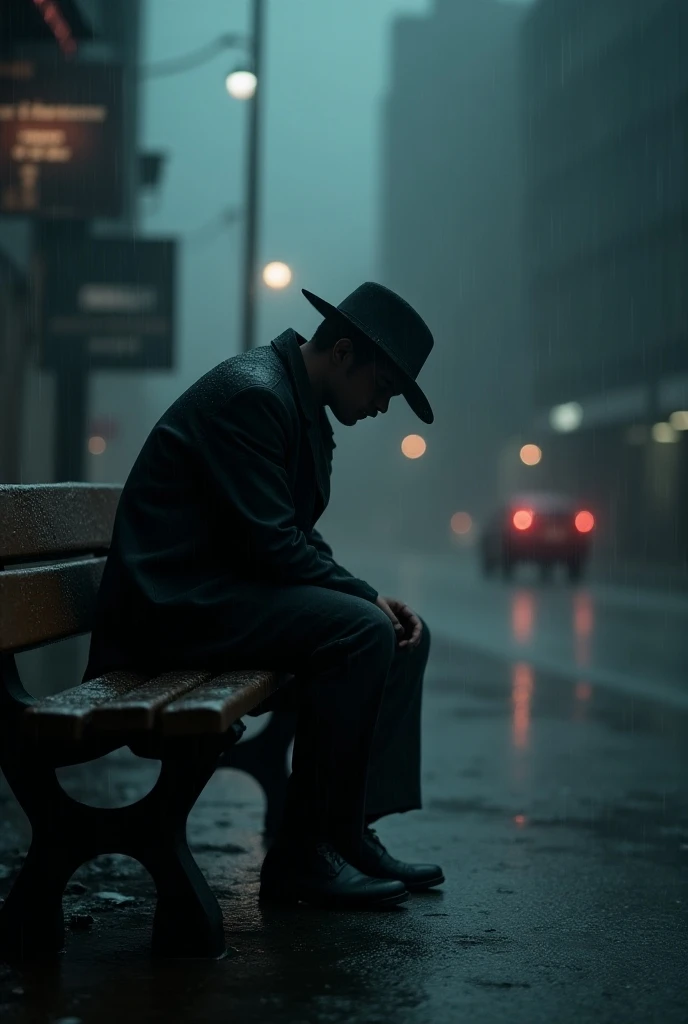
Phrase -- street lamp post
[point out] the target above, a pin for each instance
(252, 184)
(244, 84)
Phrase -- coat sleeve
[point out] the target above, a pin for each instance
(320, 544)
(244, 451)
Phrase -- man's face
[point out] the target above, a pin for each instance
(360, 391)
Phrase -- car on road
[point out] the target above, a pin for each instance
(544, 529)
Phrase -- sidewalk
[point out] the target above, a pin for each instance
(559, 814)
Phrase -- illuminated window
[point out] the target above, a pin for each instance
(679, 419)
(664, 433)
(567, 417)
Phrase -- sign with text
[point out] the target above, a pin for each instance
(109, 302)
(61, 139)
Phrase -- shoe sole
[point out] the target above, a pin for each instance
(422, 886)
(288, 899)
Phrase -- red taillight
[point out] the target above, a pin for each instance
(585, 522)
(523, 519)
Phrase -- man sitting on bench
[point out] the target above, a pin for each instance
(215, 564)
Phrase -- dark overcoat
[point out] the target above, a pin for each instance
(225, 492)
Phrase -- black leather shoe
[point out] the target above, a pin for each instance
(318, 874)
(374, 860)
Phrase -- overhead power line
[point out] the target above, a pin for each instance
(187, 62)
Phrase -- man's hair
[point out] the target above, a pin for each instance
(333, 328)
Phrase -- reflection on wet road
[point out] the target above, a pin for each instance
(521, 697)
(627, 638)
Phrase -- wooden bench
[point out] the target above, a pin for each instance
(188, 720)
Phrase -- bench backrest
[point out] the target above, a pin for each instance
(67, 528)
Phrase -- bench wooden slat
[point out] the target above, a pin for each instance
(215, 704)
(39, 521)
(38, 606)
(136, 710)
(64, 715)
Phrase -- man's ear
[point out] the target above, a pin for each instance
(341, 349)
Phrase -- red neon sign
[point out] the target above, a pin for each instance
(55, 20)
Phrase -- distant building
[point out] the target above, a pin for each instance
(605, 116)
(451, 201)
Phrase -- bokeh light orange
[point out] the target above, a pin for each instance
(531, 454)
(97, 445)
(461, 523)
(413, 446)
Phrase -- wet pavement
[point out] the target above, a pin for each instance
(555, 766)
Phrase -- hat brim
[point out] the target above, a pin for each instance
(410, 390)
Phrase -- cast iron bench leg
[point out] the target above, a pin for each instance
(31, 919)
(66, 834)
(188, 919)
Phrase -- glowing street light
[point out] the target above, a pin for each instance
(241, 84)
(530, 454)
(413, 446)
(277, 275)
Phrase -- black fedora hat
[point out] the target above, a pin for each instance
(388, 320)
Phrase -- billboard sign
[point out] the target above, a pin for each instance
(110, 302)
(61, 139)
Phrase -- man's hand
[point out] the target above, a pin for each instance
(407, 625)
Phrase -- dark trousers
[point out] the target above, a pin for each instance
(357, 746)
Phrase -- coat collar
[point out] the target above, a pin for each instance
(287, 346)
(319, 429)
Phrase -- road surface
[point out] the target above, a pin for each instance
(555, 768)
